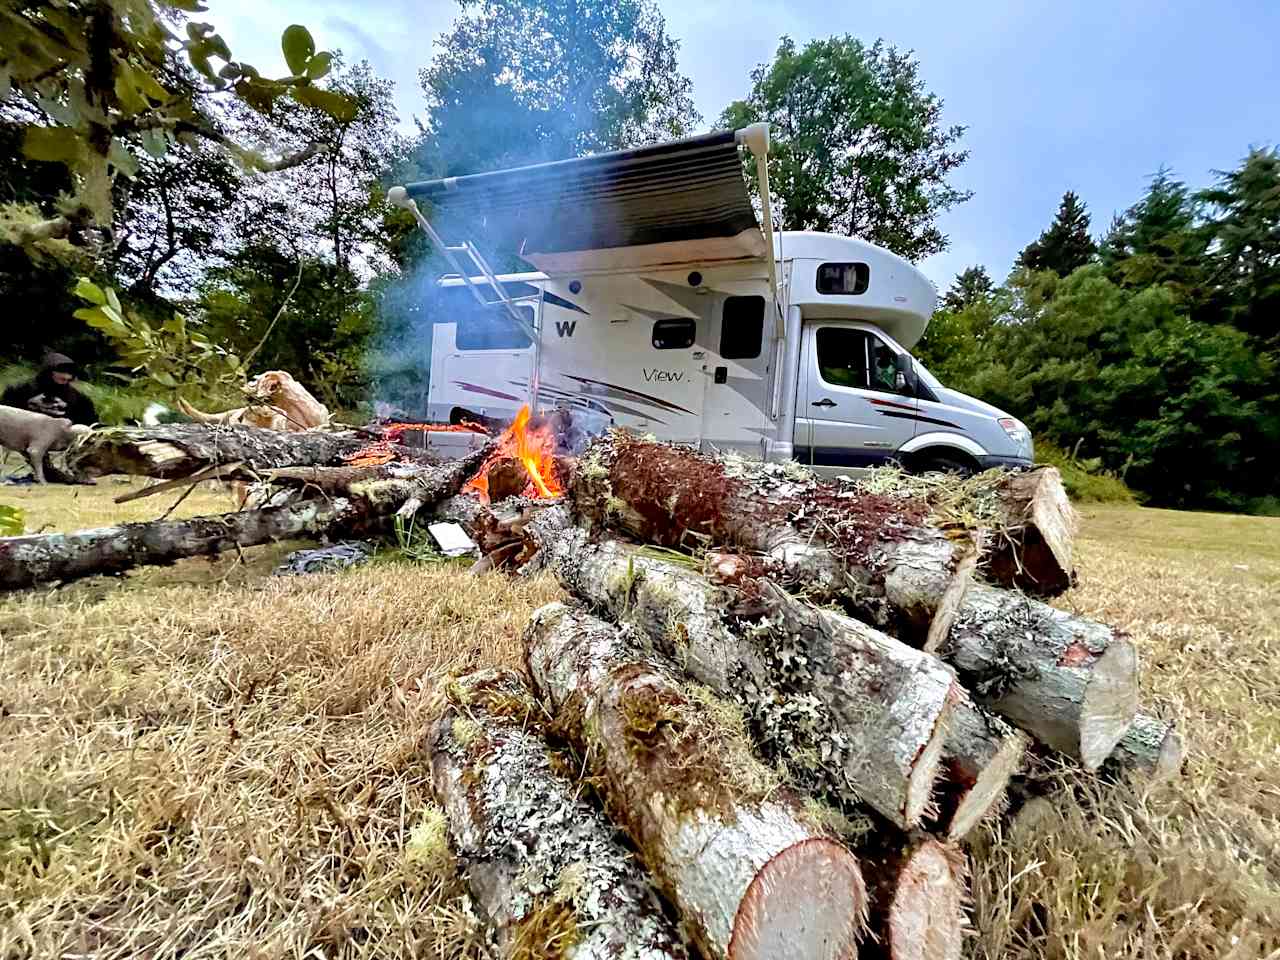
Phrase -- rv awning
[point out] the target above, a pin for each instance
(671, 203)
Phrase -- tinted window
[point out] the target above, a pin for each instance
(490, 328)
(742, 328)
(674, 334)
(845, 279)
(842, 357)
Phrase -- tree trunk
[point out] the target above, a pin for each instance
(981, 753)
(851, 711)
(549, 875)
(1069, 682)
(917, 890)
(45, 558)
(178, 450)
(1151, 749)
(58, 557)
(1034, 552)
(750, 878)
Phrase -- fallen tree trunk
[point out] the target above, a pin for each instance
(1069, 682)
(58, 557)
(980, 755)
(854, 713)
(1151, 748)
(178, 450)
(750, 878)
(548, 874)
(917, 890)
(1033, 551)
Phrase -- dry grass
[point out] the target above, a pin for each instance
(208, 762)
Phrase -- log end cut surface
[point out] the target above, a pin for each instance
(809, 901)
(985, 792)
(1110, 702)
(924, 774)
(926, 914)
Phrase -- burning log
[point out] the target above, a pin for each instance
(1034, 552)
(1151, 749)
(533, 444)
(507, 478)
(981, 754)
(52, 557)
(178, 450)
(855, 713)
(547, 872)
(750, 878)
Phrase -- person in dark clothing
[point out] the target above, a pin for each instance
(51, 392)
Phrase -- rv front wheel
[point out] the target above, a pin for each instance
(936, 461)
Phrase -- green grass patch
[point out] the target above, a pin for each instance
(1085, 480)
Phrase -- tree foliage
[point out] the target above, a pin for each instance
(969, 286)
(521, 81)
(859, 144)
(1065, 244)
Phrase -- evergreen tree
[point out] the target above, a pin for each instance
(1158, 241)
(969, 287)
(1066, 244)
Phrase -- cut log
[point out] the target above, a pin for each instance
(507, 478)
(853, 713)
(981, 753)
(1069, 682)
(548, 874)
(1151, 749)
(1033, 551)
(749, 876)
(917, 890)
(57, 557)
(178, 450)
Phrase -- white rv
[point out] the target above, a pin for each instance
(662, 305)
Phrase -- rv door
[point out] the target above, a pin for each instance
(855, 409)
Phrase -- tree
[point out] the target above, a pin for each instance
(859, 146)
(1244, 235)
(969, 287)
(520, 81)
(103, 81)
(1066, 244)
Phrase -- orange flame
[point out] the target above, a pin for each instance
(533, 447)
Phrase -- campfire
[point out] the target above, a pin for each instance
(523, 465)
(381, 451)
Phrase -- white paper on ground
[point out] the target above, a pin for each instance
(453, 540)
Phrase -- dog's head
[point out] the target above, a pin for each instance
(269, 385)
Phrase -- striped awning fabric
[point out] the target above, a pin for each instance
(681, 201)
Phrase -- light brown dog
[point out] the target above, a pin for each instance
(282, 404)
(33, 435)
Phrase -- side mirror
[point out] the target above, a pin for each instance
(900, 380)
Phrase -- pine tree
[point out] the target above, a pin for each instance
(1066, 244)
(969, 287)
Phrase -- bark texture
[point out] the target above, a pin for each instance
(1069, 682)
(852, 712)
(981, 753)
(1035, 549)
(1151, 749)
(546, 870)
(58, 557)
(750, 877)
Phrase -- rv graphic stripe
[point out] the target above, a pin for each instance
(476, 388)
(919, 419)
(627, 391)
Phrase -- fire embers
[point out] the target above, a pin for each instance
(378, 452)
(525, 463)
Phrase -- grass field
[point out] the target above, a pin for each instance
(206, 761)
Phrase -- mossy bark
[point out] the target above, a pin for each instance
(850, 711)
(549, 875)
(1150, 749)
(734, 853)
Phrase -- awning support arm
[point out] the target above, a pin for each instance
(756, 139)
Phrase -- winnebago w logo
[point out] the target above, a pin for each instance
(565, 328)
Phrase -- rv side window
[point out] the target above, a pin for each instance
(741, 328)
(844, 279)
(842, 357)
(674, 334)
(491, 328)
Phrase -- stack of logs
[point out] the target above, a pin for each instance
(791, 700)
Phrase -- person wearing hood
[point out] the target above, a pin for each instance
(51, 392)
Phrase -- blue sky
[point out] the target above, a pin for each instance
(1090, 96)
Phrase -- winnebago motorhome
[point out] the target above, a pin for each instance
(662, 304)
